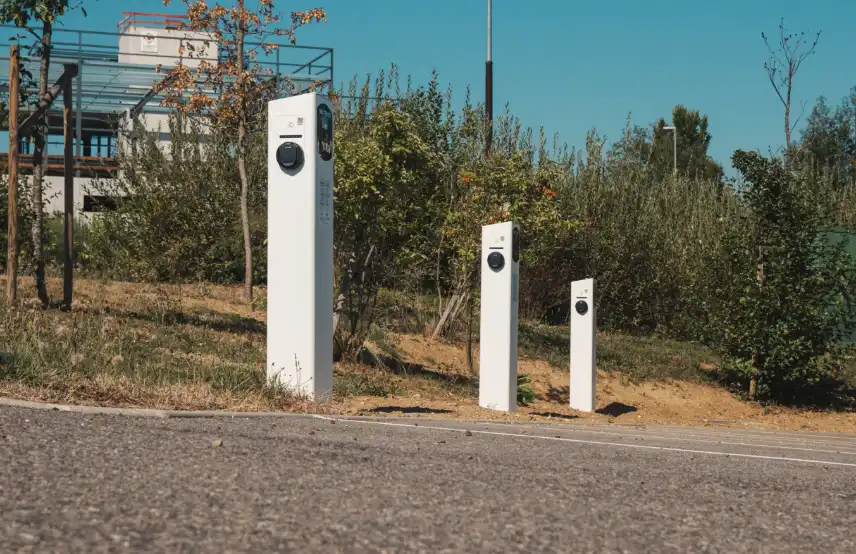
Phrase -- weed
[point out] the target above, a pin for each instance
(525, 394)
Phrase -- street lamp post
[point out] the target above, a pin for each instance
(488, 85)
(675, 136)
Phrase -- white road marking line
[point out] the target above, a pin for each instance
(808, 444)
(699, 432)
(807, 436)
(681, 432)
(599, 443)
(683, 438)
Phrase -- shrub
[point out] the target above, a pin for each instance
(781, 301)
(178, 220)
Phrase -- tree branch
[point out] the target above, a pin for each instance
(802, 113)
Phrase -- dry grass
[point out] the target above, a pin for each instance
(199, 347)
(156, 346)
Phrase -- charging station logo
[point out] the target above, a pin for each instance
(325, 133)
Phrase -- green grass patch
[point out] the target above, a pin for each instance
(51, 349)
(640, 358)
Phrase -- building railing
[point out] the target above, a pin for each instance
(158, 20)
(83, 166)
(106, 87)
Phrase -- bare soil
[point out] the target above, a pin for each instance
(618, 399)
(424, 378)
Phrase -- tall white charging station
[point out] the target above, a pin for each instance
(583, 324)
(500, 270)
(300, 245)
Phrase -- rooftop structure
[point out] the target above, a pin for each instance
(118, 71)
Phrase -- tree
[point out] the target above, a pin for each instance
(503, 187)
(693, 144)
(784, 63)
(640, 149)
(827, 148)
(46, 12)
(780, 306)
(243, 90)
(176, 221)
(381, 163)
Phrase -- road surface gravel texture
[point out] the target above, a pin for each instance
(104, 483)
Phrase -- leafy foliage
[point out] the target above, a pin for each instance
(782, 296)
(525, 394)
(21, 12)
(672, 255)
(243, 86)
(381, 200)
(654, 150)
(827, 149)
(176, 221)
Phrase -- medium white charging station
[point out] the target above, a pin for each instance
(583, 325)
(500, 270)
(300, 245)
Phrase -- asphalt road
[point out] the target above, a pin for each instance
(84, 483)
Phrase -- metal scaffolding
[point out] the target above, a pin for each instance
(106, 88)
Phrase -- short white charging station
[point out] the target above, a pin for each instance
(500, 270)
(300, 245)
(583, 324)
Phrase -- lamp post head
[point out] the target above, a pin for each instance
(668, 127)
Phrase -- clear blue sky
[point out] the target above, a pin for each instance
(569, 65)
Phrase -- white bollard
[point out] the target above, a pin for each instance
(500, 268)
(583, 324)
(300, 245)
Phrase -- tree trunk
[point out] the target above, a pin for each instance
(446, 315)
(791, 72)
(361, 317)
(242, 170)
(37, 231)
(470, 364)
(12, 236)
(245, 221)
(756, 356)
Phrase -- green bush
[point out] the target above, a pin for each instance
(178, 220)
(525, 394)
(25, 218)
(780, 301)
(673, 255)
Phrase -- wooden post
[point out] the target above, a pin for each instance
(68, 196)
(12, 260)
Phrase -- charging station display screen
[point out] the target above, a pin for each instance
(325, 132)
(515, 244)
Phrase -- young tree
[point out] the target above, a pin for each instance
(240, 81)
(782, 290)
(381, 194)
(45, 12)
(785, 60)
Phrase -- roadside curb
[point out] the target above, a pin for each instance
(141, 412)
(103, 410)
(211, 414)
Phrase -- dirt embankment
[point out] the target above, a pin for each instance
(618, 400)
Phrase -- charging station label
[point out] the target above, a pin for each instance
(325, 201)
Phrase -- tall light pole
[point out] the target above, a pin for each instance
(675, 135)
(488, 83)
